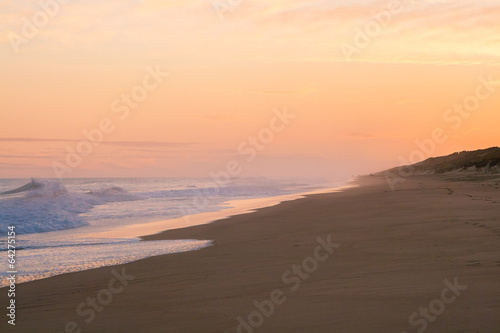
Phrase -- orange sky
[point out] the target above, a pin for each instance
(228, 69)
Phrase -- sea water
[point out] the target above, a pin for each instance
(60, 224)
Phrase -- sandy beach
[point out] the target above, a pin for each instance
(231, 166)
(425, 257)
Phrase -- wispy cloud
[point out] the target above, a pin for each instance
(111, 143)
(425, 31)
(257, 91)
(28, 156)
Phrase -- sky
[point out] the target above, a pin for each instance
(283, 88)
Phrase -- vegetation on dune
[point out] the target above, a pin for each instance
(461, 161)
(484, 159)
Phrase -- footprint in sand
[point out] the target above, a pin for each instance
(473, 263)
(491, 229)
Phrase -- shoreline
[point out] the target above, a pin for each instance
(396, 249)
(235, 208)
(136, 232)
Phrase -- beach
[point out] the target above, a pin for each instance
(422, 257)
(255, 166)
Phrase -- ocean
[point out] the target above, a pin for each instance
(71, 225)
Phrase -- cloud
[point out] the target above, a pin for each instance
(111, 143)
(363, 136)
(28, 156)
(408, 101)
(425, 31)
(256, 91)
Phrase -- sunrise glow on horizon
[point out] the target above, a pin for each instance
(181, 88)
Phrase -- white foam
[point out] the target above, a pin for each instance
(45, 262)
(47, 205)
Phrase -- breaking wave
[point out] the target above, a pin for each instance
(46, 205)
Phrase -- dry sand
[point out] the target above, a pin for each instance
(396, 250)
